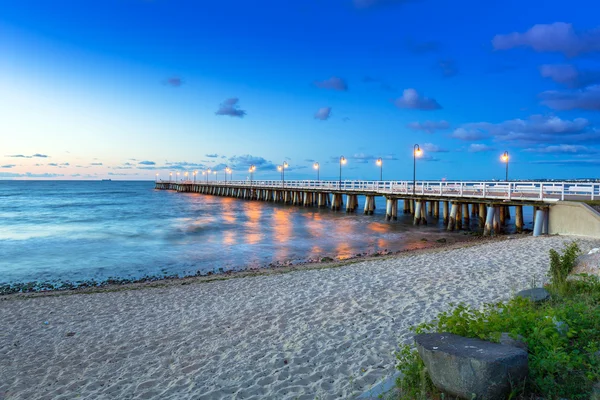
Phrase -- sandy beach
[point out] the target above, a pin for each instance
(321, 333)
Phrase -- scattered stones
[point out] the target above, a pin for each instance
(70, 334)
(424, 240)
(472, 368)
(326, 259)
(519, 342)
(442, 240)
(537, 295)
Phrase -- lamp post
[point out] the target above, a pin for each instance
(251, 170)
(283, 166)
(186, 175)
(215, 172)
(226, 171)
(170, 177)
(342, 161)
(176, 177)
(316, 166)
(156, 179)
(380, 163)
(195, 172)
(416, 153)
(505, 159)
(207, 174)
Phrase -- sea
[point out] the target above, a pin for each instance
(57, 231)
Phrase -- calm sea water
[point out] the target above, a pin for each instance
(64, 230)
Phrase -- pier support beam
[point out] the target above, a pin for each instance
(423, 212)
(538, 225)
(369, 205)
(417, 216)
(459, 217)
(406, 205)
(466, 215)
(489, 221)
(482, 215)
(452, 218)
(445, 212)
(436, 209)
(519, 218)
(497, 225)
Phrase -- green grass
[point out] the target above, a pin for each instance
(563, 336)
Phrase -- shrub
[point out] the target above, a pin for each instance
(563, 336)
(562, 265)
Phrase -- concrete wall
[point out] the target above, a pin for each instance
(573, 218)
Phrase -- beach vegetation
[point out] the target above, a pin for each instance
(562, 336)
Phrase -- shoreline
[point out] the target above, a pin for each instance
(112, 285)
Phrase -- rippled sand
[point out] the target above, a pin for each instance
(324, 334)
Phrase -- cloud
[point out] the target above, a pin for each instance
(583, 163)
(569, 75)
(145, 162)
(432, 148)
(96, 163)
(563, 149)
(535, 129)
(212, 155)
(245, 161)
(428, 126)
(23, 156)
(557, 37)
(448, 67)
(231, 107)
(377, 3)
(223, 156)
(65, 164)
(360, 158)
(428, 158)
(418, 48)
(468, 134)
(479, 148)
(52, 165)
(412, 100)
(174, 81)
(333, 83)
(28, 175)
(583, 99)
(323, 114)
(8, 166)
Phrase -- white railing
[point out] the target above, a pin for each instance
(541, 191)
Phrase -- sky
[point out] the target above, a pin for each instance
(127, 89)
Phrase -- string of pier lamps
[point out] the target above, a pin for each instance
(342, 161)
(505, 159)
(281, 168)
(251, 170)
(380, 163)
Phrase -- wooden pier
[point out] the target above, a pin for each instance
(487, 202)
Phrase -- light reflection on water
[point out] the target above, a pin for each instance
(81, 230)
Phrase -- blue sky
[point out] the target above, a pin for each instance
(125, 89)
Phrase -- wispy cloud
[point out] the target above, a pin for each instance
(28, 175)
(557, 37)
(411, 99)
(174, 81)
(245, 161)
(146, 162)
(447, 67)
(323, 113)
(468, 134)
(40, 155)
(429, 126)
(432, 148)
(582, 99)
(425, 47)
(569, 75)
(479, 148)
(212, 155)
(231, 107)
(37, 155)
(96, 163)
(563, 149)
(8, 166)
(333, 83)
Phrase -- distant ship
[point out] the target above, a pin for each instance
(105, 180)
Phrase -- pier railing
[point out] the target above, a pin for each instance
(533, 191)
